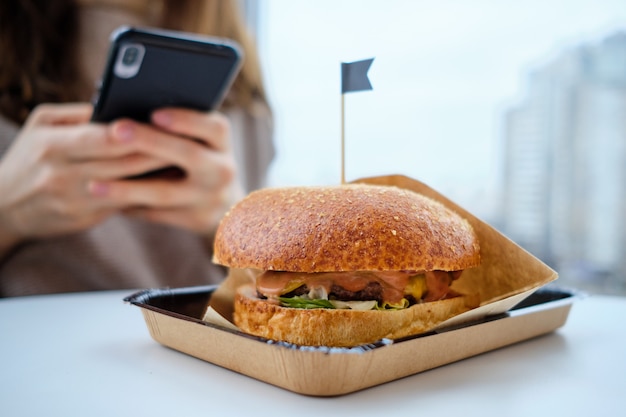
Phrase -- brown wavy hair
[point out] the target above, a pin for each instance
(38, 50)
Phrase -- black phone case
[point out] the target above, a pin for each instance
(177, 69)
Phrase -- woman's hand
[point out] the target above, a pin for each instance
(63, 174)
(47, 176)
(200, 199)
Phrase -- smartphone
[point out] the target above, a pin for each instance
(148, 69)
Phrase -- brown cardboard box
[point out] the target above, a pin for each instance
(507, 275)
(173, 318)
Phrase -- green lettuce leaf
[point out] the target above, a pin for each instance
(301, 302)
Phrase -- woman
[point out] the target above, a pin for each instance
(68, 219)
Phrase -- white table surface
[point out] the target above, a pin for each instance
(91, 355)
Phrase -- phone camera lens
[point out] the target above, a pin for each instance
(128, 60)
(130, 55)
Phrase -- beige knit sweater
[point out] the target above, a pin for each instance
(125, 253)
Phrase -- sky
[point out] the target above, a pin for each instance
(443, 75)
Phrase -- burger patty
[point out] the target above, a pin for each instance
(373, 291)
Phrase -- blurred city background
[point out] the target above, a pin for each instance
(515, 110)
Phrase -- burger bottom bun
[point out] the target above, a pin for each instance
(338, 327)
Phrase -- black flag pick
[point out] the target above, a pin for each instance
(354, 76)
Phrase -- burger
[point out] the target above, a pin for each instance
(345, 265)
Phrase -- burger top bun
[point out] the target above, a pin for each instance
(352, 227)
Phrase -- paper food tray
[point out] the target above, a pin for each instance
(173, 318)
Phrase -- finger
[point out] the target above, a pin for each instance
(91, 141)
(159, 144)
(123, 167)
(64, 131)
(59, 114)
(211, 128)
(83, 142)
(148, 193)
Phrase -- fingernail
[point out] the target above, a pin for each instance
(125, 132)
(99, 189)
(162, 118)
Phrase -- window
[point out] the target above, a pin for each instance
(515, 110)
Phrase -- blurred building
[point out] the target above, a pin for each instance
(565, 165)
